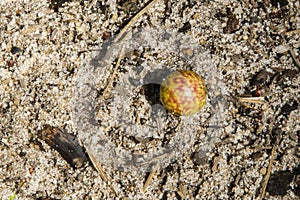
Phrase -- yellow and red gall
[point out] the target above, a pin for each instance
(183, 92)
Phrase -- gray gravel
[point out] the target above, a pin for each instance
(242, 49)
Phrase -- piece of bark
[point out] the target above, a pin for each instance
(65, 144)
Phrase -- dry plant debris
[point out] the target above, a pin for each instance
(44, 44)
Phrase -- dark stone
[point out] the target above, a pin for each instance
(15, 50)
(279, 183)
(186, 27)
(281, 3)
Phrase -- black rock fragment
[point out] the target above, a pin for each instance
(56, 4)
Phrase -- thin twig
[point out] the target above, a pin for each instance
(121, 38)
(267, 177)
(264, 187)
(113, 76)
(135, 18)
(251, 99)
(150, 177)
(130, 23)
(99, 168)
(295, 58)
(297, 31)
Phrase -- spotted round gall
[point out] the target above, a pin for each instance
(183, 92)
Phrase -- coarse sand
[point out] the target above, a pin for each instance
(93, 68)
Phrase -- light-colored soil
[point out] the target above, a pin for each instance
(55, 64)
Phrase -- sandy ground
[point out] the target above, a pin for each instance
(58, 67)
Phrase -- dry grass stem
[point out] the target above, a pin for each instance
(120, 38)
(267, 177)
(135, 18)
(251, 100)
(150, 177)
(97, 165)
(297, 31)
(113, 76)
(100, 170)
(295, 58)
